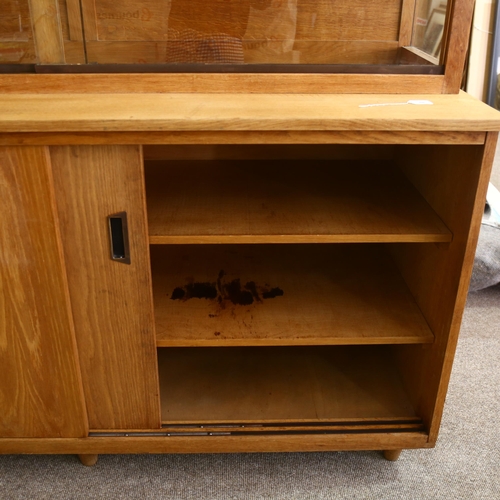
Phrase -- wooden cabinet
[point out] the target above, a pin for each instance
(291, 274)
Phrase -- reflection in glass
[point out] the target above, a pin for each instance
(245, 31)
(258, 32)
(16, 35)
(428, 28)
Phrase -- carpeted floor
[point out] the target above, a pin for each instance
(464, 465)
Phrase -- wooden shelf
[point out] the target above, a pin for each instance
(286, 202)
(280, 384)
(47, 107)
(281, 295)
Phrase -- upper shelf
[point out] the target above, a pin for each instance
(173, 112)
(286, 201)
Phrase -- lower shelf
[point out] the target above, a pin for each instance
(256, 385)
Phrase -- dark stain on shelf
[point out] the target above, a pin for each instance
(233, 292)
(226, 292)
(216, 334)
(273, 293)
(219, 285)
(195, 291)
(252, 288)
(178, 294)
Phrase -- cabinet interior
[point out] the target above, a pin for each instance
(252, 385)
(279, 271)
(281, 295)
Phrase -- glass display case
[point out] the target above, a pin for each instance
(377, 37)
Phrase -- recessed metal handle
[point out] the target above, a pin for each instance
(118, 233)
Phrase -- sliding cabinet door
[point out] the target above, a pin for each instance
(111, 297)
(40, 387)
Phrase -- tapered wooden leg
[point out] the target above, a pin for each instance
(88, 460)
(392, 455)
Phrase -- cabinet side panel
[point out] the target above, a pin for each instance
(111, 301)
(454, 181)
(40, 388)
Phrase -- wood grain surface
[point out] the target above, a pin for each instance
(283, 384)
(456, 43)
(286, 201)
(253, 83)
(233, 112)
(281, 295)
(111, 301)
(16, 33)
(120, 35)
(263, 32)
(238, 138)
(40, 388)
(407, 22)
(71, 13)
(141, 32)
(260, 151)
(219, 444)
(47, 31)
(263, 51)
(454, 182)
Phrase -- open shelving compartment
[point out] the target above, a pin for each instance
(280, 302)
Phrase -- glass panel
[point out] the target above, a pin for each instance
(429, 26)
(243, 31)
(205, 33)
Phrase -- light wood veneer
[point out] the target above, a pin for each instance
(380, 223)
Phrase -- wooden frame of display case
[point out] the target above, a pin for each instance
(56, 51)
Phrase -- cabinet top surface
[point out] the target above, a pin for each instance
(242, 112)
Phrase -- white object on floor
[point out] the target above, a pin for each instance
(417, 102)
(493, 199)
